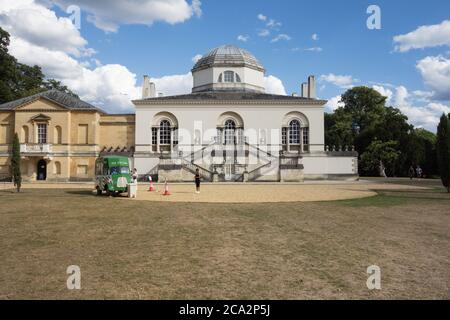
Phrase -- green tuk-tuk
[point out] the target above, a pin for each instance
(112, 174)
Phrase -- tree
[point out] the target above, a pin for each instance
(15, 163)
(443, 150)
(378, 151)
(365, 105)
(19, 80)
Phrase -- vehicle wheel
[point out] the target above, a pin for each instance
(99, 192)
(108, 193)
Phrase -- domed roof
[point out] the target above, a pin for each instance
(228, 56)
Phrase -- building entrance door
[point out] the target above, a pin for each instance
(42, 170)
(228, 171)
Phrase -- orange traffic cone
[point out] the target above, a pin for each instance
(166, 189)
(151, 188)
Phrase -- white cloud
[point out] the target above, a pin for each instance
(384, 92)
(56, 52)
(334, 103)
(196, 58)
(109, 15)
(424, 37)
(273, 24)
(274, 85)
(243, 38)
(174, 84)
(315, 37)
(282, 36)
(264, 33)
(40, 26)
(314, 49)
(262, 17)
(424, 115)
(435, 72)
(339, 80)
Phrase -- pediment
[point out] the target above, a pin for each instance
(40, 117)
(42, 103)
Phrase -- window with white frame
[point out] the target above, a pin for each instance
(42, 132)
(294, 132)
(154, 136)
(284, 135)
(228, 76)
(306, 136)
(230, 131)
(164, 132)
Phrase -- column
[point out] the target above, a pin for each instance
(301, 140)
(288, 139)
(171, 139)
(157, 140)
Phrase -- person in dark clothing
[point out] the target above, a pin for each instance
(197, 181)
(411, 172)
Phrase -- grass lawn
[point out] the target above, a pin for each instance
(160, 250)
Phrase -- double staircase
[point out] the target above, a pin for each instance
(230, 162)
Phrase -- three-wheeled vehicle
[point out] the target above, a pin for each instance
(112, 175)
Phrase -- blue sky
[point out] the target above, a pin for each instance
(122, 44)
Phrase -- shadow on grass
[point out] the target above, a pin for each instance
(81, 192)
(390, 198)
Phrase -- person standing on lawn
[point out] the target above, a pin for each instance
(411, 172)
(197, 181)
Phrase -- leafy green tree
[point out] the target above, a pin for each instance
(18, 80)
(443, 150)
(15, 163)
(365, 105)
(7, 69)
(377, 153)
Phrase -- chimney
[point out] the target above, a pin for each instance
(304, 90)
(311, 87)
(148, 88)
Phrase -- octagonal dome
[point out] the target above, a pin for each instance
(228, 56)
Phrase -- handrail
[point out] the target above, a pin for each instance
(269, 155)
(193, 167)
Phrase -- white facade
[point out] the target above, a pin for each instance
(233, 131)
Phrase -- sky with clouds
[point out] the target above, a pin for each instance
(407, 60)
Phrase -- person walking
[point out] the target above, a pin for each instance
(197, 181)
(135, 175)
(411, 172)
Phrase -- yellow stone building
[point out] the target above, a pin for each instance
(61, 136)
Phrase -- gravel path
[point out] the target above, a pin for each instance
(244, 193)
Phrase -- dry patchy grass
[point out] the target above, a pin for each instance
(160, 250)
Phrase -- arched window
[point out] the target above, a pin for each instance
(164, 132)
(294, 132)
(230, 130)
(25, 135)
(229, 76)
(57, 168)
(57, 135)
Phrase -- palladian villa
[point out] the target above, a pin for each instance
(228, 128)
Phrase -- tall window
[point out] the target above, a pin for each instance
(230, 129)
(164, 132)
(294, 132)
(306, 137)
(154, 136)
(42, 133)
(284, 135)
(229, 76)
